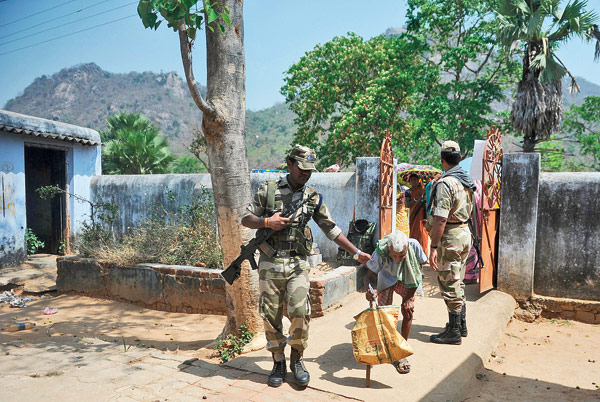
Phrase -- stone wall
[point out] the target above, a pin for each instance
(160, 287)
(559, 308)
(180, 289)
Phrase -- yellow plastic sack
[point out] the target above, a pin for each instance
(375, 339)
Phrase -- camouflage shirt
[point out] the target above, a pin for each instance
(285, 195)
(452, 200)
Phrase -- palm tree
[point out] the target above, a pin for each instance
(133, 145)
(540, 26)
(116, 122)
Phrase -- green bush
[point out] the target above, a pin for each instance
(33, 243)
(186, 235)
(232, 345)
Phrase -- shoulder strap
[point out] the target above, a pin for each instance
(308, 191)
(271, 185)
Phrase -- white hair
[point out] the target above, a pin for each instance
(398, 240)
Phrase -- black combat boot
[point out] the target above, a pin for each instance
(297, 368)
(463, 321)
(443, 333)
(452, 334)
(277, 374)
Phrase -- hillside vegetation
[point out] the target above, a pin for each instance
(86, 95)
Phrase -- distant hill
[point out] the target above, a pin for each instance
(587, 89)
(269, 134)
(86, 95)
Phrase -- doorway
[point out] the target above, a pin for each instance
(46, 217)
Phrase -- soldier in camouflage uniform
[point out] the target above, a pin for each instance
(283, 268)
(450, 209)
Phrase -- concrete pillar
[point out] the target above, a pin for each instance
(367, 190)
(518, 223)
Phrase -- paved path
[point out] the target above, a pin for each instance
(94, 370)
(439, 372)
(37, 274)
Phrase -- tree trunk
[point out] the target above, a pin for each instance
(226, 149)
(537, 109)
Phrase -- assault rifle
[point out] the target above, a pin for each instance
(477, 245)
(234, 269)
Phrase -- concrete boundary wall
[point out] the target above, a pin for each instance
(135, 194)
(549, 239)
(567, 253)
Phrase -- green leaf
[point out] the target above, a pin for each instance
(222, 29)
(226, 19)
(523, 6)
(534, 24)
(191, 32)
(199, 18)
(189, 3)
(211, 15)
(146, 13)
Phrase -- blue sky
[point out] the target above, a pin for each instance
(277, 33)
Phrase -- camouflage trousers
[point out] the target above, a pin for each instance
(452, 258)
(284, 281)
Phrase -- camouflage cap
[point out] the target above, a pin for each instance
(305, 156)
(450, 146)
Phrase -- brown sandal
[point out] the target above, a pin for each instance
(402, 367)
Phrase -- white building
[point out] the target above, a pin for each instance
(36, 152)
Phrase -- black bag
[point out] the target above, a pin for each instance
(360, 233)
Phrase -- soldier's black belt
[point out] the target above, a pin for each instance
(272, 253)
(455, 224)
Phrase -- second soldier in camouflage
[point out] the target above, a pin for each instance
(450, 208)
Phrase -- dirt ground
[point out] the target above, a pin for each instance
(547, 360)
(80, 316)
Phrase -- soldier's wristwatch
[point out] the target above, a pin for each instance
(355, 256)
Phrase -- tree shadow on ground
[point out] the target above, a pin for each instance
(119, 323)
(204, 369)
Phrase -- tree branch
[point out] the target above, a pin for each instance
(574, 85)
(487, 57)
(186, 58)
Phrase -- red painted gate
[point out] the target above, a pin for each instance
(490, 209)
(386, 186)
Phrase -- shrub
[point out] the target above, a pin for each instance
(232, 345)
(186, 236)
(33, 243)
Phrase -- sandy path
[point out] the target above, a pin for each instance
(548, 360)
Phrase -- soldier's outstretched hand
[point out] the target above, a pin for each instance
(278, 222)
(363, 258)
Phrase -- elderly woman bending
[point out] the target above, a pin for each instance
(397, 262)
